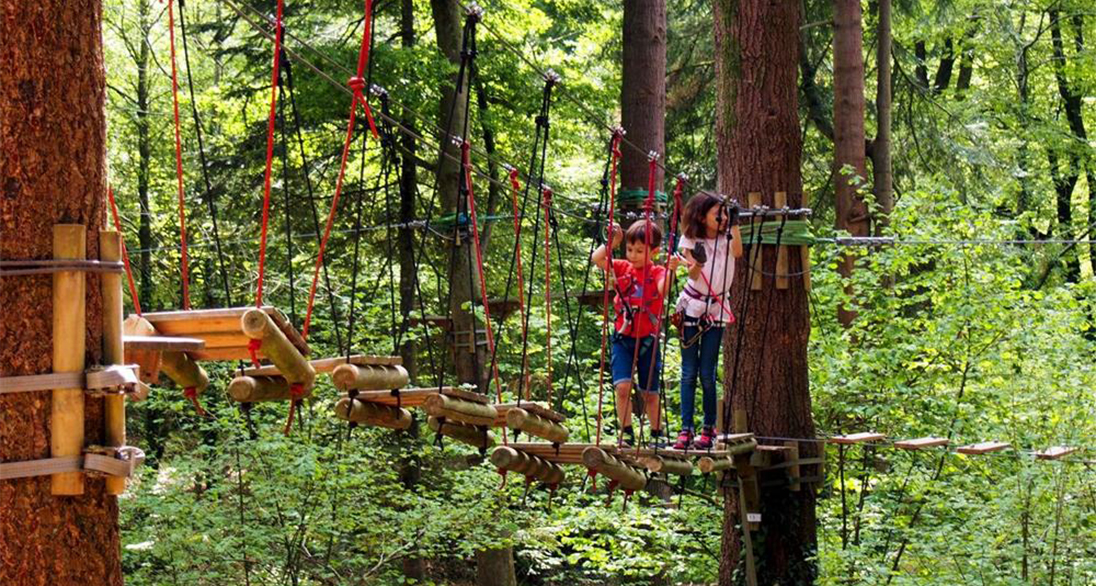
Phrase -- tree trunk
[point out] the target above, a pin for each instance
(52, 171)
(882, 172)
(643, 90)
(1071, 100)
(759, 149)
(144, 155)
(408, 187)
(848, 130)
(468, 354)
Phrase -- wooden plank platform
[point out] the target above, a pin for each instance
(163, 343)
(415, 397)
(1056, 452)
(921, 443)
(982, 448)
(329, 364)
(220, 330)
(857, 438)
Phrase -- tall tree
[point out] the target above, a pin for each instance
(643, 89)
(848, 131)
(880, 151)
(760, 147)
(52, 171)
(408, 188)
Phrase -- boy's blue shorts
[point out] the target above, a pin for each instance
(624, 348)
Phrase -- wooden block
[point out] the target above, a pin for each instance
(1056, 452)
(982, 448)
(114, 406)
(756, 250)
(468, 434)
(709, 464)
(734, 438)
(69, 333)
(369, 377)
(330, 364)
(454, 409)
(186, 373)
(369, 413)
(667, 465)
(627, 476)
(857, 438)
(257, 389)
(921, 443)
(521, 419)
(260, 325)
(508, 459)
(780, 200)
(148, 361)
(163, 343)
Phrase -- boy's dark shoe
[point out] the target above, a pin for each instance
(627, 437)
(684, 439)
(706, 441)
(658, 442)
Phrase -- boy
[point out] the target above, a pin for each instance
(641, 286)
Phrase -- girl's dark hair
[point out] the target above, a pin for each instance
(695, 210)
(644, 232)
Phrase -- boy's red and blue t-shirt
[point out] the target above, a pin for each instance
(638, 288)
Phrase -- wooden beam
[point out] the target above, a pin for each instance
(857, 438)
(330, 364)
(369, 413)
(369, 377)
(258, 389)
(627, 476)
(454, 409)
(69, 333)
(1056, 452)
(982, 448)
(474, 436)
(921, 443)
(163, 343)
(114, 406)
(532, 424)
(508, 459)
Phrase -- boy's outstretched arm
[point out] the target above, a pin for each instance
(600, 257)
(736, 241)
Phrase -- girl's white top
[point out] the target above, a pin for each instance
(718, 269)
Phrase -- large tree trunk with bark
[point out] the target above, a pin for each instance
(408, 188)
(468, 353)
(52, 171)
(760, 146)
(848, 132)
(881, 167)
(144, 154)
(643, 90)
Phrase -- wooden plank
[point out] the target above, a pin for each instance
(734, 438)
(534, 408)
(1056, 452)
(982, 448)
(409, 398)
(66, 423)
(163, 343)
(921, 443)
(215, 324)
(756, 259)
(329, 364)
(857, 438)
(780, 200)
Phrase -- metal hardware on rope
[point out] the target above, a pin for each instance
(16, 268)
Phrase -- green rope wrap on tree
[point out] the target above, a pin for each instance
(445, 223)
(634, 197)
(796, 233)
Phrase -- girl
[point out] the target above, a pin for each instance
(709, 249)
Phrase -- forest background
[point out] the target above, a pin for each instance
(957, 333)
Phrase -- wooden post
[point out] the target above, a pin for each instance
(114, 406)
(629, 477)
(256, 389)
(518, 418)
(793, 470)
(257, 325)
(368, 413)
(69, 332)
(468, 434)
(747, 527)
(369, 377)
(780, 200)
(756, 259)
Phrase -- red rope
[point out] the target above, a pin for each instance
(515, 187)
(191, 393)
(269, 149)
(125, 254)
(178, 158)
(466, 162)
(357, 85)
(609, 275)
(548, 285)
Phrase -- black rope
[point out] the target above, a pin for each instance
(211, 200)
(352, 319)
(288, 199)
(740, 319)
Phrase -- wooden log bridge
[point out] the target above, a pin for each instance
(370, 413)
(221, 330)
(625, 475)
(477, 437)
(508, 459)
(260, 389)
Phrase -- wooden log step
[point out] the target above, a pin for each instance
(562, 454)
(468, 434)
(185, 372)
(982, 448)
(367, 413)
(329, 364)
(857, 438)
(921, 443)
(665, 464)
(292, 364)
(709, 464)
(256, 389)
(519, 418)
(628, 477)
(1056, 452)
(163, 343)
(734, 438)
(454, 409)
(537, 408)
(506, 458)
(369, 377)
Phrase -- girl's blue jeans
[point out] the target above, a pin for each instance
(701, 358)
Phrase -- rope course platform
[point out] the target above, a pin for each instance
(223, 331)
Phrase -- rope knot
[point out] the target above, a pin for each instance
(253, 347)
(296, 391)
(357, 84)
(191, 393)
